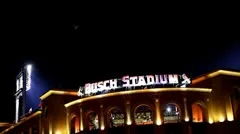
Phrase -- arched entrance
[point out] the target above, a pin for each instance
(197, 113)
(92, 120)
(171, 113)
(75, 125)
(143, 115)
(116, 117)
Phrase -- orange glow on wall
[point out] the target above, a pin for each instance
(229, 109)
(75, 124)
(210, 121)
(197, 113)
(221, 118)
(58, 132)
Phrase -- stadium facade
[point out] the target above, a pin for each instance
(140, 104)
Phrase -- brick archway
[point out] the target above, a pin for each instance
(74, 124)
(171, 112)
(92, 121)
(115, 117)
(143, 114)
(199, 112)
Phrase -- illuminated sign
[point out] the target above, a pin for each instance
(19, 81)
(134, 81)
(23, 84)
(28, 77)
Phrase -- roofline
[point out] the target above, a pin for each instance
(22, 121)
(5, 124)
(152, 90)
(57, 92)
(214, 74)
(194, 81)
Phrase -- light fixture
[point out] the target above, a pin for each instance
(168, 109)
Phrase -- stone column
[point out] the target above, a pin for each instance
(158, 118)
(102, 125)
(210, 117)
(81, 120)
(50, 125)
(157, 112)
(229, 109)
(40, 126)
(128, 117)
(128, 112)
(67, 122)
(186, 117)
(30, 130)
(187, 127)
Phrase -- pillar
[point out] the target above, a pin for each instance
(158, 118)
(210, 117)
(128, 112)
(187, 128)
(40, 125)
(158, 112)
(50, 125)
(186, 118)
(128, 117)
(229, 109)
(30, 130)
(102, 125)
(67, 122)
(81, 120)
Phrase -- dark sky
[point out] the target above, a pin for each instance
(106, 46)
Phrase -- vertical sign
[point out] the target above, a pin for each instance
(23, 84)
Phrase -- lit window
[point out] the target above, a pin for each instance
(171, 113)
(116, 118)
(143, 115)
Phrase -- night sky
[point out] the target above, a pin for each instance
(68, 50)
